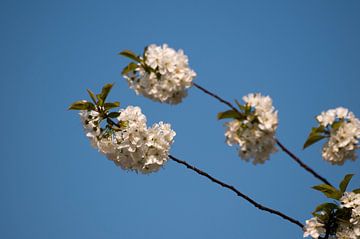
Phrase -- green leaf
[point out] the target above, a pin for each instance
(337, 124)
(82, 105)
(315, 135)
(112, 105)
(326, 207)
(228, 114)
(344, 213)
(241, 107)
(328, 191)
(344, 183)
(357, 190)
(92, 96)
(113, 114)
(129, 68)
(131, 55)
(104, 93)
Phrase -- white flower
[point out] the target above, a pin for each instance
(313, 228)
(256, 134)
(350, 230)
(134, 146)
(343, 140)
(170, 76)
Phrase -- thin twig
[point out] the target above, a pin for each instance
(306, 167)
(238, 193)
(287, 151)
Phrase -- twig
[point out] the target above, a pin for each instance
(306, 167)
(238, 193)
(288, 152)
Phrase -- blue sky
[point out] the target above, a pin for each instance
(304, 54)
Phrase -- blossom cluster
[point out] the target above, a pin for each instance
(162, 75)
(132, 145)
(344, 135)
(255, 134)
(344, 229)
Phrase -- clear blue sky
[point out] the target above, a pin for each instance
(304, 54)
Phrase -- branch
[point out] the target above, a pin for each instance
(306, 167)
(288, 152)
(237, 192)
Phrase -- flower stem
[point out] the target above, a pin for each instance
(237, 192)
(287, 151)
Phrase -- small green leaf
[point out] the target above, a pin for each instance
(104, 93)
(113, 114)
(92, 96)
(337, 124)
(328, 191)
(357, 190)
(112, 105)
(228, 114)
(129, 68)
(241, 107)
(344, 213)
(344, 183)
(315, 135)
(326, 207)
(131, 55)
(82, 105)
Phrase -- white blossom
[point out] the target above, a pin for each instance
(314, 228)
(134, 146)
(169, 77)
(256, 134)
(343, 140)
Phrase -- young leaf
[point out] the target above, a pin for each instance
(328, 191)
(131, 67)
(82, 105)
(112, 105)
(241, 107)
(104, 93)
(227, 114)
(92, 96)
(327, 207)
(344, 183)
(131, 55)
(113, 114)
(315, 135)
(100, 100)
(356, 190)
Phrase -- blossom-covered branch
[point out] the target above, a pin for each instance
(238, 193)
(287, 151)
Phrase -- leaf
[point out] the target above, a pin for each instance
(129, 68)
(344, 183)
(82, 105)
(92, 96)
(344, 213)
(327, 207)
(315, 135)
(228, 114)
(328, 191)
(113, 114)
(112, 105)
(241, 107)
(104, 93)
(337, 124)
(131, 55)
(357, 190)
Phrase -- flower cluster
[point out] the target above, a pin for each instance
(131, 145)
(162, 74)
(344, 134)
(348, 228)
(255, 130)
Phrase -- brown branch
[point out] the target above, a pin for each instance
(306, 167)
(288, 152)
(237, 192)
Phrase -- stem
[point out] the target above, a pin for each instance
(237, 192)
(306, 167)
(288, 152)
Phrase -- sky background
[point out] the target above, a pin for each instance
(304, 54)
